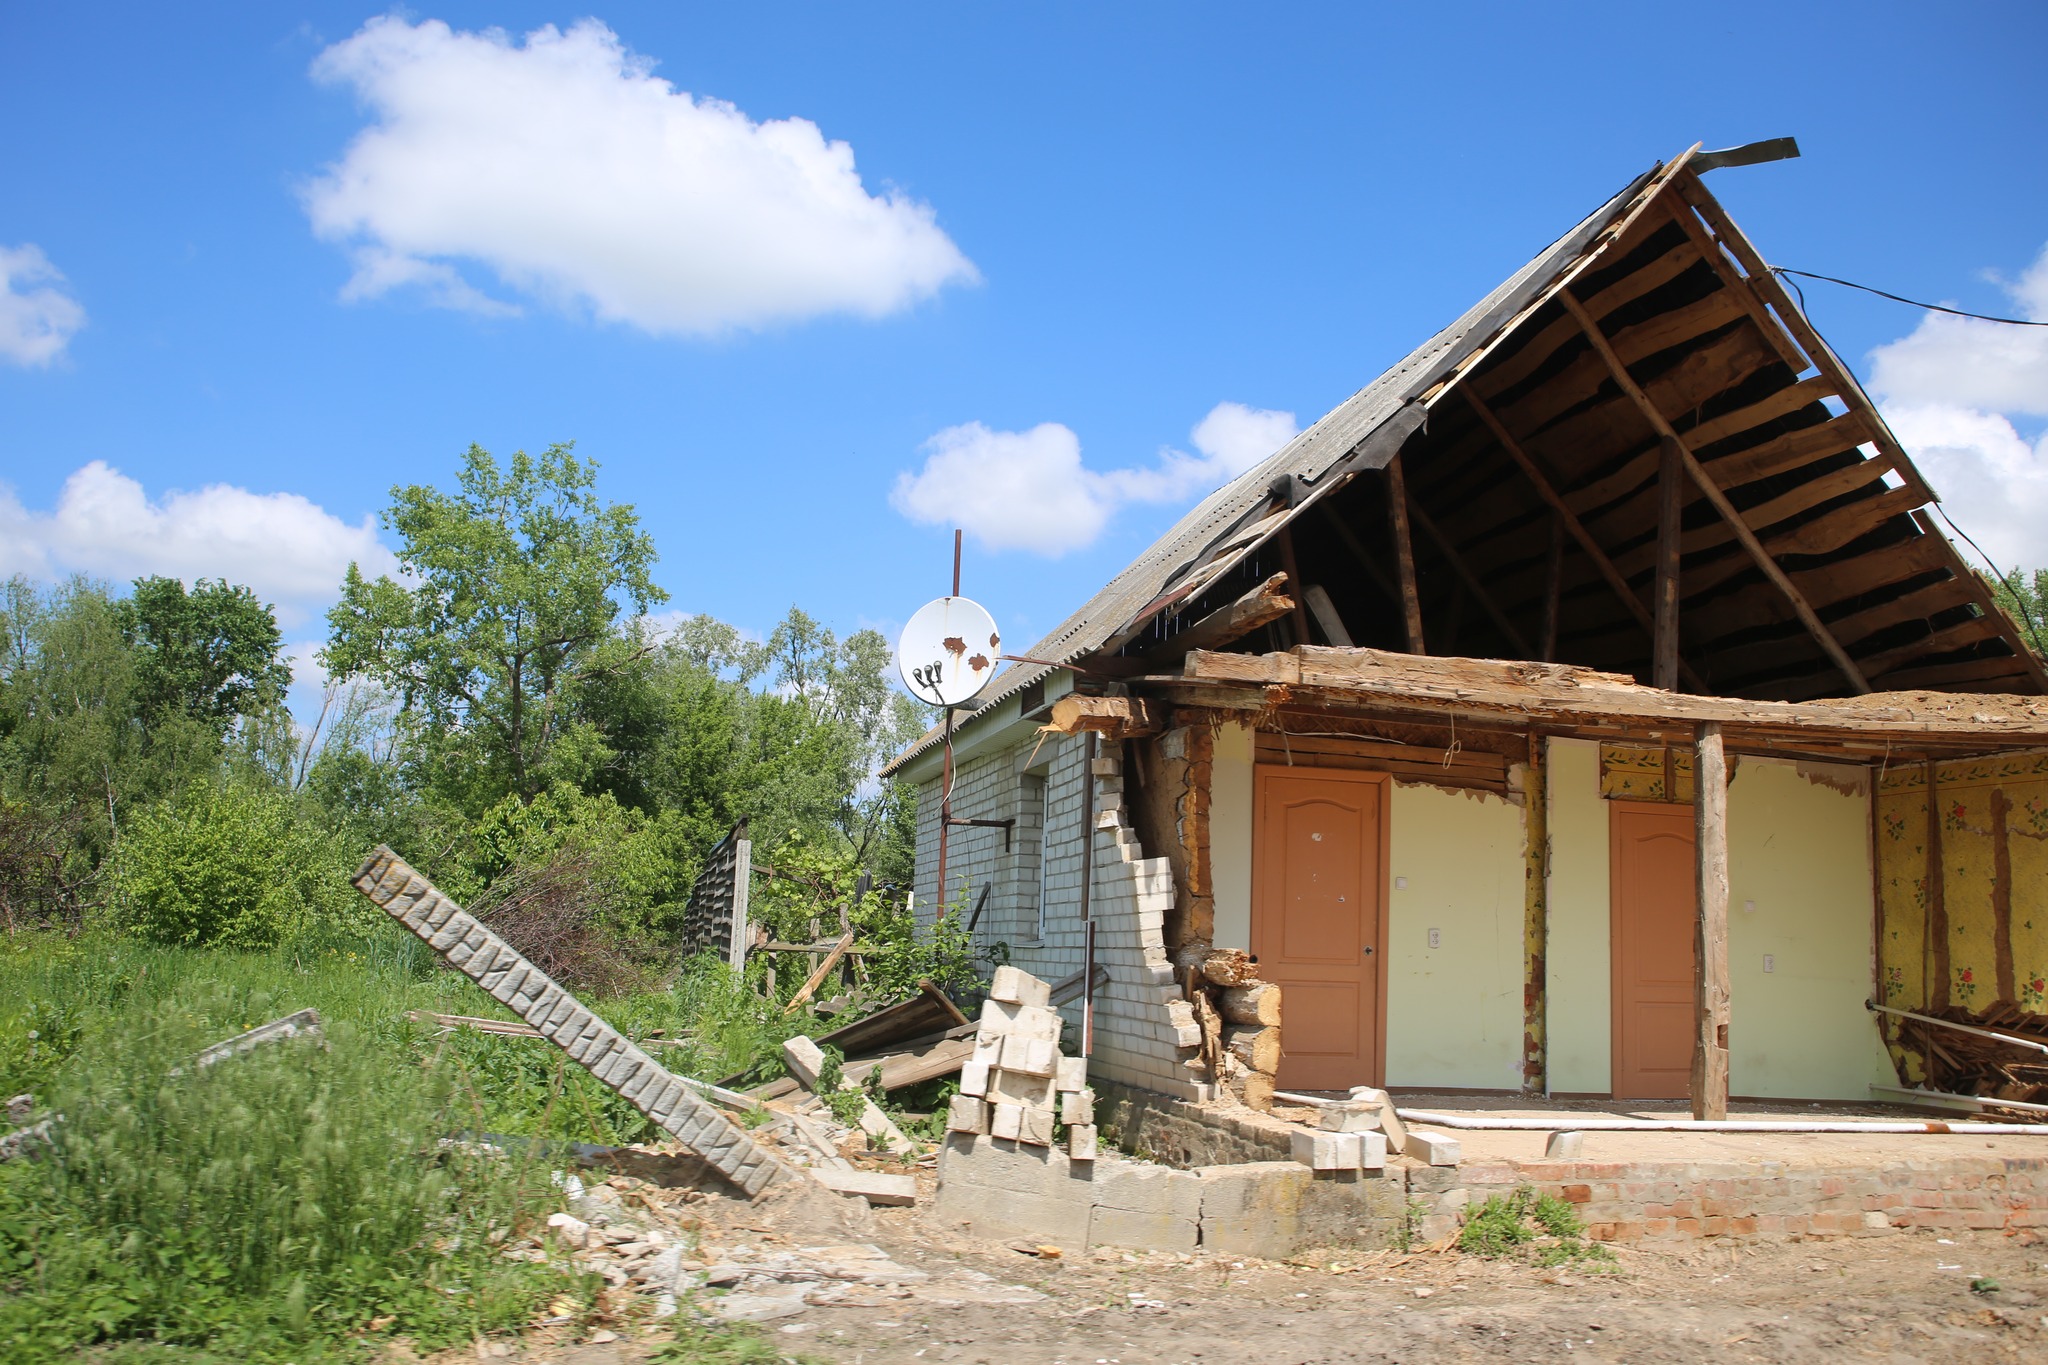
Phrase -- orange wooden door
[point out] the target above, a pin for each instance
(1655, 901)
(1318, 921)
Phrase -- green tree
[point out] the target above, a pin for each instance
(211, 654)
(2025, 598)
(517, 580)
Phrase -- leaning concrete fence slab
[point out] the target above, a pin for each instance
(466, 945)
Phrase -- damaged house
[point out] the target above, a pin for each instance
(1589, 705)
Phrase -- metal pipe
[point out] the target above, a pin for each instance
(1591, 1124)
(1087, 884)
(1941, 1097)
(2014, 1039)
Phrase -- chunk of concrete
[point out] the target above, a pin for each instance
(1390, 1122)
(974, 1075)
(1019, 1087)
(1152, 1208)
(1320, 1151)
(1015, 986)
(1432, 1147)
(1072, 1073)
(967, 1114)
(1035, 1125)
(1029, 1055)
(1077, 1107)
(1081, 1141)
(1349, 1116)
(1372, 1151)
(1006, 1121)
(1565, 1146)
(804, 1059)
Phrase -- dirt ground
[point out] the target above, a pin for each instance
(1897, 1297)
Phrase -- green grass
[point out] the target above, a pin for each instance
(271, 1207)
(1543, 1227)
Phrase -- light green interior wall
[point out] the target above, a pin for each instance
(1454, 1012)
(1800, 889)
(1578, 971)
(1230, 835)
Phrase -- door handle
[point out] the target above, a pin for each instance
(1368, 950)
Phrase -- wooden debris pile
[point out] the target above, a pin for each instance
(1973, 1064)
(1235, 1019)
(1017, 1084)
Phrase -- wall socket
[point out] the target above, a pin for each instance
(1436, 939)
(1770, 962)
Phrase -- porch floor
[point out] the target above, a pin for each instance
(1791, 1149)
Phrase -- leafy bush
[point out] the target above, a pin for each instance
(229, 864)
(266, 1207)
(1507, 1223)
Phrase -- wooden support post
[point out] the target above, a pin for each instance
(1404, 556)
(1934, 971)
(1822, 636)
(1572, 524)
(1478, 590)
(1536, 919)
(1710, 943)
(1298, 616)
(1670, 503)
(1553, 589)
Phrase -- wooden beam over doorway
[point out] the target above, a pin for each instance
(1710, 942)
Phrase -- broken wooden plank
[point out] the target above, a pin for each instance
(811, 984)
(877, 1187)
(1116, 717)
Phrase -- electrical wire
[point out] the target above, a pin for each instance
(1897, 298)
(2005, 580)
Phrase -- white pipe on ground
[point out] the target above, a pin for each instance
(1591, 1124)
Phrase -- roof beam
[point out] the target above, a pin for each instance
(2007, 631)
(1404, 556)
(1471, 579)
(1573, 524)
(1800, 607)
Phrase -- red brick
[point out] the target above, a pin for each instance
(1578, 1194)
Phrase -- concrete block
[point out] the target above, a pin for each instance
(1077, 1107)
(1390, 1122)
(1354, 1116)
(1006, 1121)
(1081, 1141)
(1035, 1021)
(1320, 1151)
(1253, 1208)
(1035, 1125)
(873, 1186)
(1435, 1148)
(1564, 1146)
(1018, 1087)
(1031, 1056)
(1072, 1073)
(974, 1074)
(966, 1114)
(1014, 986)
(1372, 1151)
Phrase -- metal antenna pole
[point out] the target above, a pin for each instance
(956, 561)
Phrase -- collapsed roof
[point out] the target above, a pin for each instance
(1530, 435)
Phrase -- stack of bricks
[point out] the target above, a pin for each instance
(1017, 1081)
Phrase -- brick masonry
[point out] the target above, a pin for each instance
(1034, 907)
(470, 948)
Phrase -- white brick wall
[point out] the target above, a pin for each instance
(1134, 1037)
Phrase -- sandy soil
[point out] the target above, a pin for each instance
(1898, 1297)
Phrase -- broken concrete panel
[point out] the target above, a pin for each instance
(1253, 1209)
(999, 1189)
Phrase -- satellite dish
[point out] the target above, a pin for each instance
(947, 652)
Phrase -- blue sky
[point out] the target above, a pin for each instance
(259, 262)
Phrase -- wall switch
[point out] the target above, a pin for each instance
(1770, 962)
(1400, 883)
(1436, 938)
(1749, 907)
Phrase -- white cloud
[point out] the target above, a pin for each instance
(1028, 490)
(287, 548)
(37, 318)
(579, 178)
(1950, 390)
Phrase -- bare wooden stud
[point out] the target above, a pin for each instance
(1553, 589)
(1670, 503)
(1822, 636)
(1710, 943)
(1404, 556)
(1298, 615)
